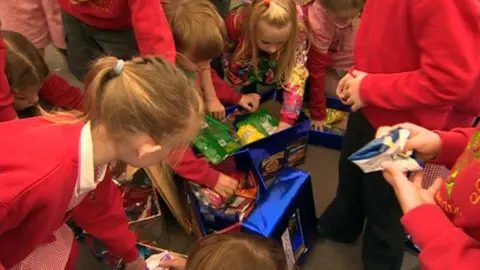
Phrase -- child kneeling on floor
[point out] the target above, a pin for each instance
(232, 251)
(199, 31)
(31, 81)
(135, 113)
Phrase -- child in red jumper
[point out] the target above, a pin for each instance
(443, 219)
(30, 79)
(120, 28)
(64, 174)
(331, 50)
(414, 61)
(198, 31)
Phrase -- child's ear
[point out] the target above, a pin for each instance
(147, 149)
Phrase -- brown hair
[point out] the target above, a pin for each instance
(147, 96)
(197, 27)
(24, 65)
(236, 251)
(278, 13)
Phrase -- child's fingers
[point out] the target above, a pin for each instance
(383, 131)
(435, 187)
(418, 179)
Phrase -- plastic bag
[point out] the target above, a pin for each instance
(216, 141)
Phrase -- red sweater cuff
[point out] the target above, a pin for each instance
(366, 89)
(318, 114)
(453, 145)
(7, 113)
(224, 91)
(131, 255)
(425, 223)
(287, 120)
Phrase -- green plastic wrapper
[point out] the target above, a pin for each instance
(215, 141)
(256, 126)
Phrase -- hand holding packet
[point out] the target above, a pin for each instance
(386, 148)
(153, 261)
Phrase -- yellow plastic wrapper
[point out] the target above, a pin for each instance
(248, 134)
(334, 116)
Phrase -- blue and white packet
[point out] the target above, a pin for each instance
(387, 148)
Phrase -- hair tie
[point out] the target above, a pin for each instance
(267, 2)
(118, 67)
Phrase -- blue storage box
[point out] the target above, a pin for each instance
(325, 138)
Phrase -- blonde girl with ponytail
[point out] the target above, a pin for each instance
(57, 167)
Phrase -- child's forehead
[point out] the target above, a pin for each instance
(271, 33)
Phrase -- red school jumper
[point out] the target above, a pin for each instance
(422, 58)
(449, 233)
(36, 187)
(147, 18)
(7, 112)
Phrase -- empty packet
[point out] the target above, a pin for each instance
(386, 148)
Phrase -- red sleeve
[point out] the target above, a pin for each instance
(152, 30)
(193, 168)
(101, 214)
(317, 64)
(443, 245)
(449, 41)
(453, 145)
(58, 92)
(225, 92)
(7, 112)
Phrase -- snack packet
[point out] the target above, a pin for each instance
(153, 261)
(216, 141)
(256, 126)
(388, 147)
(334, 116)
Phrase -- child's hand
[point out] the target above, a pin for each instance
(282, 126)
(351, 91)
(317, 124)
(409, 194)
(250, 102)
(226, 186)
(138, 264)
(341, 87)
(424, 142)
(216, 109)
(176, 264)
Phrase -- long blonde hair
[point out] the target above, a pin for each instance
(148, 96)
(278, 13)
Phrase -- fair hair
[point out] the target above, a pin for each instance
(277, 13)
(148, 96)
(236, 251)
(197, 28)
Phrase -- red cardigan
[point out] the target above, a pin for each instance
(147, 18)
(423, 61)
(449, 233)
(7, 112)
(37, 185)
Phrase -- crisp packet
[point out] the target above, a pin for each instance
(388, 147)
(334, 116)
(255, 126)
(215, 141)
(153, 261)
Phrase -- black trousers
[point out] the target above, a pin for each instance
(86, 43)
(365, 196)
